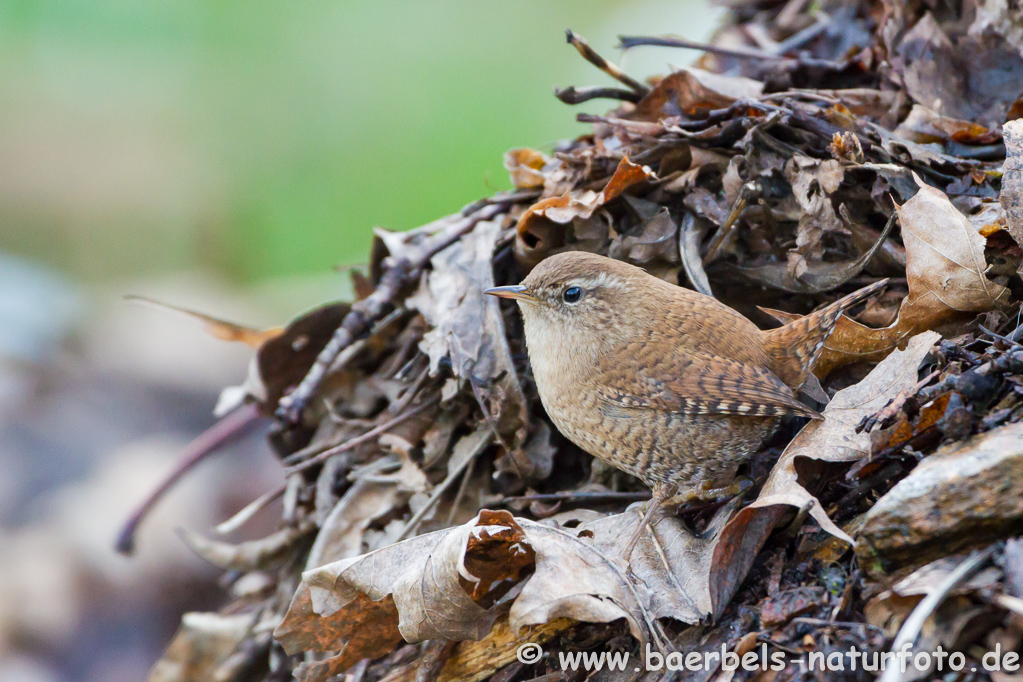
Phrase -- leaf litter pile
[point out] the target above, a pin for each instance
(434, 519)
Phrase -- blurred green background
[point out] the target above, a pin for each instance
(222, 156)
(258, 139)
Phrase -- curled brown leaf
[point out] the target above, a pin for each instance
(541, 228)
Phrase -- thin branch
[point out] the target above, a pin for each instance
(629, 42)
(590, 55)
(1005, 339)
(242, 517)
(580, 497)
(230, 428)
(366, 312)
(502, 198)
(574, 95)
(748, 191)
(463, 488)
(797, 40)
(354, 442)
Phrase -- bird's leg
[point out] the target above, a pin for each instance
(661, 492)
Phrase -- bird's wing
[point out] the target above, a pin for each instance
(694, 383)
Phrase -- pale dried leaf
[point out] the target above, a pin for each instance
(540, 228)
(424, 575)
(528, 168)
(203, 642)
(580, 572)
(340, 536)
(452, 301)
(945, 269)
(247, 556)
(834, 438)
(1012, 179)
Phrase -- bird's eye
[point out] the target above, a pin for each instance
(572, 294)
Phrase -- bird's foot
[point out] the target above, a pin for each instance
(707, 492)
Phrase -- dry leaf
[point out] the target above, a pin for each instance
(580, 573)
(427, 578)
(247, 556)
(693, 93)
(341, 533)
(834, 438)
(283, 361)
(446, 584)
(945, 269)
(1012, 179)
(689, 238)
(813, 181)
(216, 327)
(363, 628)
(814, 277)
(974, 78)
(528, 168)
(656, 239)
(203, 643)
(540, 230)
(923, 126)
(467, 328)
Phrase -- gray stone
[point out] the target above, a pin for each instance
(963, 496)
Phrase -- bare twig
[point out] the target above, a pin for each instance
(1006, 339)
(748, 191)
(403, 401)
(209, 441)
(574, 95)
(911, 628)
(629, 42)
(588, 53)
(437, 653)
(366, 312)
(633, 127)
(354, 442)
(248, 511)
(503, 198)
(797, 40)
(463, 488)
(581, 497)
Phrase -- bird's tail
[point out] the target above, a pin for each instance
(795, 347)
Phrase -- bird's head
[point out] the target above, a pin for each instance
(577, 301)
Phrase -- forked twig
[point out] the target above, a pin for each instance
(611, 69)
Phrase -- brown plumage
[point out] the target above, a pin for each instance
(663, 382)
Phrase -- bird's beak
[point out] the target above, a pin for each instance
(516, 291)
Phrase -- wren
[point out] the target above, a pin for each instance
(665, 383)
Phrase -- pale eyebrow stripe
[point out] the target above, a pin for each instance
(603, 279)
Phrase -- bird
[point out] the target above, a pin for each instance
(665, 383)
